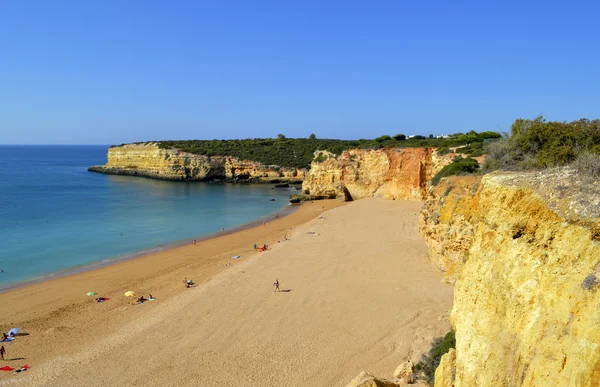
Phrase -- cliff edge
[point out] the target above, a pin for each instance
(524, 251)
(149, 160)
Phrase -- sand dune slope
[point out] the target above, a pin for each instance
(362, 296)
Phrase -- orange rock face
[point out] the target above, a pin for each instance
(384, 173)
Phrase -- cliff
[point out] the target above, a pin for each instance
(149, 160)
(384, 173)
(523, 249)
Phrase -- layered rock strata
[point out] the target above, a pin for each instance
(383, 173)
(149, 160)
(525, 254)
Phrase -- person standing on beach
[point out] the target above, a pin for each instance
(194, 241)
(2, 352)
(276, 284)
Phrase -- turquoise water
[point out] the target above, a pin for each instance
(55, 215)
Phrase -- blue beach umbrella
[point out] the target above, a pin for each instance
(14, 331)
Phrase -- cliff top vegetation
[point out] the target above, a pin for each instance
(537, 143)
(532, 145)
(299, 152)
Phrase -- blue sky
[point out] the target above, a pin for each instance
(108, 72)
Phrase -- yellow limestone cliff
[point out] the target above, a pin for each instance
(525, 253)
(359, 173)
(149, 160)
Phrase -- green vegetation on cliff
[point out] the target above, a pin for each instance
(299, 152)
(430, 361)
(539, 143)
(459, 166)
(534, 144)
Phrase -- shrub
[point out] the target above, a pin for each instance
(588, 164)
(457, 167)
(320, 158)
(538, 144)
(383, 138)
(431, 361)
(473, 147)
(399, 137)
(444, 151)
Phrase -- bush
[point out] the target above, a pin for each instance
(458, 167)
(538, 144)
(474, 147)
(383, 138)
(444, 151)
(431, 361)
(588, 164)
(476, 153)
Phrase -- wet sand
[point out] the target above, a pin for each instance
(360, 294)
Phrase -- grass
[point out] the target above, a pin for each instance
(429, 362)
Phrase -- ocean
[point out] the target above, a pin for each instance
(57, 216)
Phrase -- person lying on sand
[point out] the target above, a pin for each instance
(150, 298)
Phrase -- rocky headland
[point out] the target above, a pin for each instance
(149, 160)
(396, 173)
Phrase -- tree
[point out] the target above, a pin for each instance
(399, 137)
(431, 136)
(281, 136)
(312, 137)
(383, 138)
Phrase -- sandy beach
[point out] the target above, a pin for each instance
(358, 293)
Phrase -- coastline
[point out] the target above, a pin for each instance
(352, 293)
(57, 310)
(283, 212)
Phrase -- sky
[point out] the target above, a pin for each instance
(111, 72)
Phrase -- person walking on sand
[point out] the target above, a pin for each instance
(276, 284)
(2, 352)
(194, 241)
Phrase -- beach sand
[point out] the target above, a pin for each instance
(359, 294)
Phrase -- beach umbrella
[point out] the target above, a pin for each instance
(92, 294)
(130, 293)
(14, 331)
